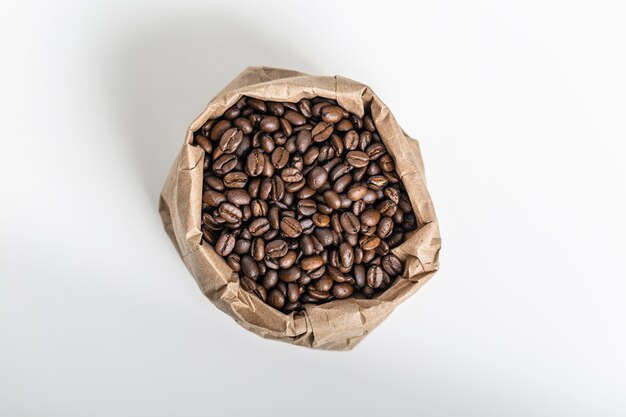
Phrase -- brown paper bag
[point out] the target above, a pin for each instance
(336, 325)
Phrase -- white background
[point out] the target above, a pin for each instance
(519, 106)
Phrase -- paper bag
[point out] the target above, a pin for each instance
(335, 325)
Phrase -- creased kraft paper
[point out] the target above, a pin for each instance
(336, 325)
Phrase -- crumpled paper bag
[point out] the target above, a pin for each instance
(335, 325)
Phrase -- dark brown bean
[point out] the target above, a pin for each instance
(290, 227)
(342, 290)
(225, 244)
(255, 163)
(276, 249)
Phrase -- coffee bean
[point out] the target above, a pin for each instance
(269, 124)
(204, 143)
(238, 197)
(370, 217)
(259, 226)
(249, 267)
(230, 213)
(276, 299)
(276, 249)
(225, 244)
(332, 114)
(342, 290)
(317, 178)
(291, 175)
(219, 128)
(374, 276)
(307, 207)
(255, 163)
(392, 265)
(321, 131)
(235, 179)
(213, 198)
(257, 249)
(231, 139)
(257, 104)
(346, 255)
(290, 274)
(303, 141)
(311, 262)
(332, 199)
(350, 223)
(290, 227)
(321, 220)
(357, 159)
(295, 118)
(369, 242)
(225, 164)
(288, 260)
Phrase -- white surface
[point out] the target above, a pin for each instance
(520, 110)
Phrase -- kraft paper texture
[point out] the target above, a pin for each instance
(335, 325)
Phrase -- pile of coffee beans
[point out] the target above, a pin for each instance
(303, 201)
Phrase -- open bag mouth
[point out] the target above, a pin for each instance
(300, 207)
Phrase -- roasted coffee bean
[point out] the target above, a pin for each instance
(214, 182)
(276, 249)
(303, 198)
(230, 140)
(238, 197)
(213, 198)
(243, 124)
(290, 227)
(332, 114)
(342, 290)
(350, 223)
(384, 227)
(219, 128)
(319, 295)
(259, 226)
(276, 299)
(235, 179)
(375, 151)
(295, 118)
(346, 255)
(370, 217)
(290, 274)
(230, 213)
(257, 250)
(204, 143)
(357, 159)
(344, 125)
(317, 178)
(225, 244)
(374, 276)
(303, 141)
(392, 265)
(242, 246)
(249, 267)
(225, 164)
(248, 284)
(255, 163)
(291, 175)
(321, 131)
(332, 199)
(321, 220)
(269, 124)
(270, 279)
(288, 260)
(369, 242)
(307, 207)
(311, 262)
